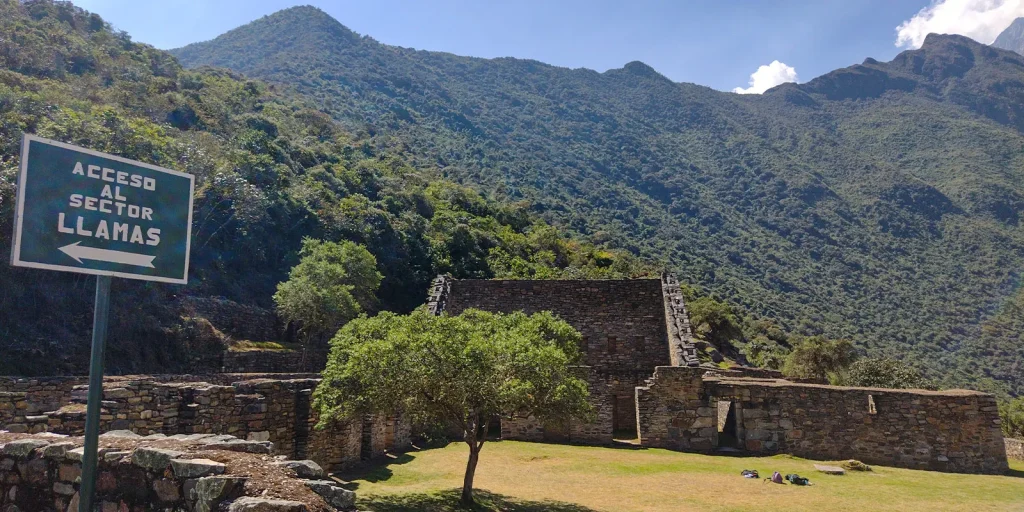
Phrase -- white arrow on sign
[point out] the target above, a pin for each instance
(79, 253)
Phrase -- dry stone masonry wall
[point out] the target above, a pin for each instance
(437, 298)
(1015, 448)
(186, 473)
(622, 322)
(955, 430)
(598, 432)
(238, 321)
(260, 411)
(677, 319)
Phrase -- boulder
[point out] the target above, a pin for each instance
(121, 434)
(76, 454)
(332, 493)
(23, 448)
(114, 455)
(249, 504)
(303, 468)
(195, 468)
(57, 450)
(212, 490)
(238, 445)
(154, 458)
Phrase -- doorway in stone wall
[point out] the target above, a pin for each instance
(389, 432)
(623, 417)
(728, 427)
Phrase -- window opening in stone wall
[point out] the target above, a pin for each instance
(585, 344)
(639, 342)
(611, 344)
(871, 405)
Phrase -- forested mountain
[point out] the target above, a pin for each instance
(1012, 38)
(880, 202)
(270, 170)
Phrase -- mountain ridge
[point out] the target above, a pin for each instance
(1012, 38)
(881, 201)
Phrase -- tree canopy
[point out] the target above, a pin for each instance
(819, 358)
(457, 371)
(1011, 412)
(883, 373)
(332, 284)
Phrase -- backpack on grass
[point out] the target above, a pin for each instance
(796, 479)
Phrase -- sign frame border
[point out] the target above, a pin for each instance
(20, 213)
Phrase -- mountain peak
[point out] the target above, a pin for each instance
(1012, 38)
(300, 29)
(637, 68)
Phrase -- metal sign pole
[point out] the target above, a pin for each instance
(92, 418)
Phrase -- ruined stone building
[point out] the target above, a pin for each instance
(640, 361)
(646, 381)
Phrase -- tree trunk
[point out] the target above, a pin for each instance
(467, 483)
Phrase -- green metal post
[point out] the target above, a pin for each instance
(87, 491)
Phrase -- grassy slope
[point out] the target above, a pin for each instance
(533, 477)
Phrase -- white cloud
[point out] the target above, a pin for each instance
(768, 76)
(981, 20)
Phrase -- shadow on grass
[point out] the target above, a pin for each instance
(373, 471)
(1015, 473)
(448, 501)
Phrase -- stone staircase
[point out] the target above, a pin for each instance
(438, 296)
(677, 319)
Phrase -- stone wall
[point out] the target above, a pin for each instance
(674, 411)
(947, 431)
(398, 435)
(41, 474)
(622, 322)
(597, 432)
(682, 350)
(274, 361)
(1014, 448)
(375, 436)
(40, 394)
(336, 445)
(239, 321)
(259, 409)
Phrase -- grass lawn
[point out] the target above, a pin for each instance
(529, 477)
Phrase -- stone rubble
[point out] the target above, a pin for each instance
(43, 474)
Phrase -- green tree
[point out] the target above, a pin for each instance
(458, 371)
(817, 357)
(765, 352)
(332, 284)
(1011, 412)
(714, 321)
(883, 373)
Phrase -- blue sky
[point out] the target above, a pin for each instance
(714, 43)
